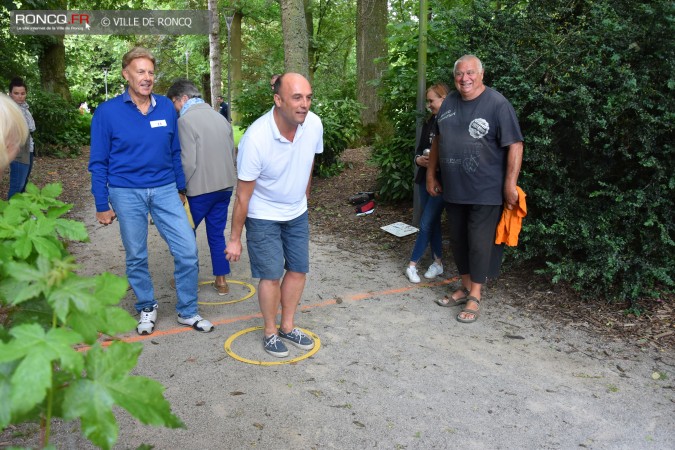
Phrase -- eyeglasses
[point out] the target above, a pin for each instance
(470, 73)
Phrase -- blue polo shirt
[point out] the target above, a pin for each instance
(132, 150)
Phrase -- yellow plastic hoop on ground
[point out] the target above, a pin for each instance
(247, 296)
(228, 349)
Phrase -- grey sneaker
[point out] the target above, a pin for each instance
(273, 345)
(298, 338)
(146, 323)
(197, 322)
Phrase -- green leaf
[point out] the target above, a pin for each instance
(92, 404)
(52, 190)
(36, 352)
(107, 382)
(6, 371)
(71, 230)
(74, 290)
(47, 247)
(58, 211)
(110, 288)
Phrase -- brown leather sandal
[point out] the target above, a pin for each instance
(475, 312)
(448, 302)
(222, 289)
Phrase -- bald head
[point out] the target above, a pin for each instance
(292, 101)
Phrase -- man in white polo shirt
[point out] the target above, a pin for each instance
(275, 162)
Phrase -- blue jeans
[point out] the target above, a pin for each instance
(430, 226)
(18, 176)
(163, 203)
(212, 208)
(274, 246)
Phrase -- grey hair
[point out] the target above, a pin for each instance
(183, 87)
(467, 57)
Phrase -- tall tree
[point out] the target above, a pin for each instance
(235, 60)
(295, 36)
(52, 64)
(215, 51)
(371, 49)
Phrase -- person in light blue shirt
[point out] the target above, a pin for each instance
(136, 170)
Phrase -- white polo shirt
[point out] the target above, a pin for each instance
(280, 168)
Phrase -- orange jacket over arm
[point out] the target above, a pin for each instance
(511, 222)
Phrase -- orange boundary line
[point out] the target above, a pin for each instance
(332, 301)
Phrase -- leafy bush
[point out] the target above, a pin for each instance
(341, 128)
(46, 310)
(254, 100)
(394, 158)
(61, 130)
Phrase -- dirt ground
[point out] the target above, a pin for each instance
(333, 216)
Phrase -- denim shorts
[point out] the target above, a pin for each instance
(274, 246)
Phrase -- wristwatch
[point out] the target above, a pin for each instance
(182, 191)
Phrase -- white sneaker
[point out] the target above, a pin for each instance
(434, 270)
(146, 324)
(197, 322)
(411, 272)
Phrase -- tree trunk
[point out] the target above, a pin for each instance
(235, 62)
(214, 53)
(371, 44)
(295, 37)
(52, 65)
(311, 47)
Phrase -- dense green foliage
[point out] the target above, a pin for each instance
(341, 129)
(47, 310)
(592, 83)
(61, 129)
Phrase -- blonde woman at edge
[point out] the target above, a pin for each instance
(13, 131)
(431, 207)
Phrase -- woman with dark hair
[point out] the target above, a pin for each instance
(431, 207)
(19, 169)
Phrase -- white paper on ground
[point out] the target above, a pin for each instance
(400, 229)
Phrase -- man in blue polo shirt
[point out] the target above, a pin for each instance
(136, 169)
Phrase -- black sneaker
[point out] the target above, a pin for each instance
(361, 197)
(298, 338)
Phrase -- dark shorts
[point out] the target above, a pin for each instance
(274, 246)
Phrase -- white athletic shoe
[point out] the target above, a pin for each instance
(411, 272)
(197, 322)
(146, 323)
(434, 270)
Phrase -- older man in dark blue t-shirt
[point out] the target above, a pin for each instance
(479, 149)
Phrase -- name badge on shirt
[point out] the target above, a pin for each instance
(157, 123)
